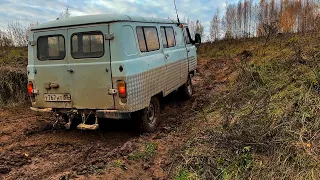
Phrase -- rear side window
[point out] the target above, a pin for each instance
(141, 40)
(148, 39)
(51, 48)
(168, 38)
(87, 45)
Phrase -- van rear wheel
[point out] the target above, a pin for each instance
(148, 118)
(186, 90)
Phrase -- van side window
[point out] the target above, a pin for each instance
(148, 39)
(186, 34)
(87, 45)
(141, 40)
(168, 38)
(51, 48)
(163, 37)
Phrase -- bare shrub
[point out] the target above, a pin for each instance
(65, 14)
(19, 33)
(5, 41)
(317, 23)
(267, 30)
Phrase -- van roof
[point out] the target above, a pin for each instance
(101, 18)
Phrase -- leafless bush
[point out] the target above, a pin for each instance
(269, 30)
(5, 41)
(317, 22)
(19, 33)
(66, 13)
(16, 34)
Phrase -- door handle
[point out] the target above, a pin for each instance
(54, 85)
(166, 56)
(70, 70)
(188, 50)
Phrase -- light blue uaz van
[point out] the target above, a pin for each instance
(110, 66)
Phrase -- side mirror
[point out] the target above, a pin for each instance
(197, 38)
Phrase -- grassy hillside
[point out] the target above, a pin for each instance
(14, 57)
(13, 77)
(13, 87)
(264, 123)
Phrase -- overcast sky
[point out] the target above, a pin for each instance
(28, 11)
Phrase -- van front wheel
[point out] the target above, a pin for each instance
(148, 118)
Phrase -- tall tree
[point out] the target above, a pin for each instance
(288, 16)
(245, 18)
(215, 26)
(65, 14)
(199, 29)
(196, 27)
(228, 21)
(248, 17)
(239, 20)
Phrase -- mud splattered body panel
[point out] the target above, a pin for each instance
(156, 69)
(85, 79)
(149, 73)
(141, 87)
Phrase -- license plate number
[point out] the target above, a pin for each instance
(57, 97)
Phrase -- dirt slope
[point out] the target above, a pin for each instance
(32, 149)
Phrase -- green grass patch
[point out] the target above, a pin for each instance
(184, 174)
(146, 153)
(14, 57)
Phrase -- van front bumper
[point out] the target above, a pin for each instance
(107, 114)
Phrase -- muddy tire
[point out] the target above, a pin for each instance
(147, 119)
(186, 90)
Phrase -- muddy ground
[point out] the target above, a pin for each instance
(31, 148)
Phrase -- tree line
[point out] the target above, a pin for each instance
(250, 19)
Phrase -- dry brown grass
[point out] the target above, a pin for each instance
(13, 77)
(13, 87)
(266, 125)
(14, 57)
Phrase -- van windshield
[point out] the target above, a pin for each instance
(51, 48)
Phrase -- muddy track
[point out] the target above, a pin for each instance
(33, 149)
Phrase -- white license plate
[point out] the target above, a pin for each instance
(57, 97)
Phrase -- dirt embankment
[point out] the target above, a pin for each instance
(32, 149)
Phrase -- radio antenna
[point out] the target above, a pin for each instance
(174, 1)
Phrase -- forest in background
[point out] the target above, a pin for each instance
(251, 19)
